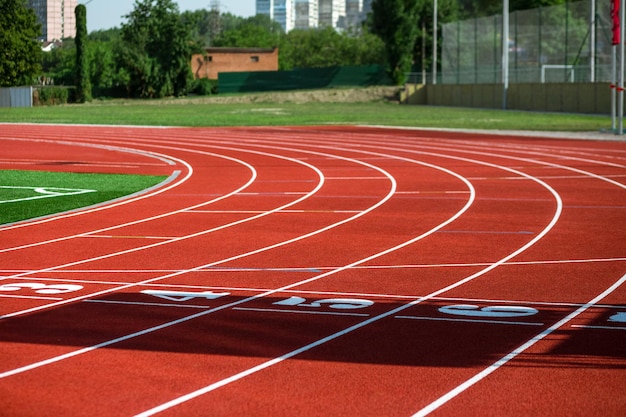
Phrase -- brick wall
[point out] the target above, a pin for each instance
(216, 60)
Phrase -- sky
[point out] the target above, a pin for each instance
(106, 14)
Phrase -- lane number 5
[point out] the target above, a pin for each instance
(469, 310)
(334, 303)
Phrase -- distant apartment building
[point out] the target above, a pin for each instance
(57, 18)
(306, 14)
(332, 13)
(355, 12)
(309, 14)
(280, 11)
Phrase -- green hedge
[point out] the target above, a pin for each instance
(50, 96)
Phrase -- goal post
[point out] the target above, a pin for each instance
(567, 70)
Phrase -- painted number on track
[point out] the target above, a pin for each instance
(182, 296)
(334, 303)
(469, 310)
(41, 288)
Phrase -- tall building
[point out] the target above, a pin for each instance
(332, 13)
(354, 9)
(356, 12)
(265, 7)
(280, 11)
(367, 7)
(284, 11)
(57, 18)
(306, 14)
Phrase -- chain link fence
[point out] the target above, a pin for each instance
(549, 44)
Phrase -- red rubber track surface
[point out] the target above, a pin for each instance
(318, 271)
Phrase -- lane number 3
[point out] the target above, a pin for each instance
(48, 289)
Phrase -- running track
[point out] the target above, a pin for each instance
(316, 272)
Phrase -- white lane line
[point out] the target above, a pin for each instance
(30, 297)
(432, 192)
(355, 178)
(599, 327)
(91, 236)
(281, 211)
(548, 177)
(505, 359)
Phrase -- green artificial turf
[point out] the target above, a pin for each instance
(61, 191)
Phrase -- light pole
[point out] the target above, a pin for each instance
(505, 52)
(435, 42)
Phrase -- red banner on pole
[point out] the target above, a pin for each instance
(616, 21)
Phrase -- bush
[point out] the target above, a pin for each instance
(204, 87)
(49, 96)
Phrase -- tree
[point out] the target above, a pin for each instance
(59, 64)
(204, 26)
(254, 32)
(325, 47)
(447, 11)
(155, 50)
(83, 83)
(20, 52)
(396, 23)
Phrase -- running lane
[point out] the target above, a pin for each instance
(327, 271)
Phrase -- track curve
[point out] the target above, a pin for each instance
(319, 271)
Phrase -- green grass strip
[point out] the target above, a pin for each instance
(31, 194)
(201, 114)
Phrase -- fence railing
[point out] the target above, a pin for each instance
(565, 43)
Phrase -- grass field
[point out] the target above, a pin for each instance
(188, 112)
(32, 194)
